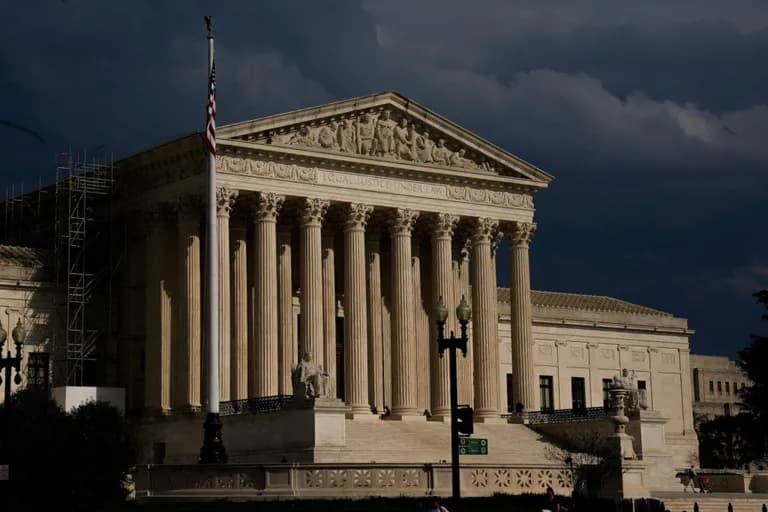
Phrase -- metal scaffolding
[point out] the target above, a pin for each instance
(83, 190)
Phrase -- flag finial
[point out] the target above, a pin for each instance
(209, 25)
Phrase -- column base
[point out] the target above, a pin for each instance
(411, 418)
(491, 420)
(362, 416)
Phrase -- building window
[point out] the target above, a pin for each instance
(642, 394)
(727, 409)
(578, 393)
(37, 371)
(510, 400)
(607, 392)
(719, 388)
(727, 388)
(546, 393)
(735, 389)
(711, 387)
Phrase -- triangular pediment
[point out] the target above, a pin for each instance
(388, 127)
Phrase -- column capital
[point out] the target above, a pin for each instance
(402, 220)
(356, 216)
(520, 233)
(443, 225)
(225, 200)
(313, 211)
(267, 206)
(483, 230)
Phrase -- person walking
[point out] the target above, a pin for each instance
(437, 507)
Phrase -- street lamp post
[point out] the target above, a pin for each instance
(9, 362)
(452, 343)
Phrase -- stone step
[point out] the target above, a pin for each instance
(396, 441)
(712, 503)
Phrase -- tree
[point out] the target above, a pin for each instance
(753, 360)
(729, 441)
(70, 461)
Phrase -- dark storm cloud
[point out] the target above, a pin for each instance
(651, 115)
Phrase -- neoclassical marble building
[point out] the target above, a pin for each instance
(366, 211)
(339, 228)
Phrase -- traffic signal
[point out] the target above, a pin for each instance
(464, 420)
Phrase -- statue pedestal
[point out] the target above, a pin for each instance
(316, 422)
(620, 446)
(623, 479)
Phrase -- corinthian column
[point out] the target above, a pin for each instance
(157, 390)
(239, 366)
(329, 311)
(460, 267)
(403, 338)
(423, 354)
(523, 383)
(312, 213)
(225, 199)
(355, 314)
(375, 340)
(442, 229)
(265, 350)
(190, 323)
(286, 348)
(484, 322)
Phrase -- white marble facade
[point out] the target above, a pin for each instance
(339, 227)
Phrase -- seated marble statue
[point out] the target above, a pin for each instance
(309, 381)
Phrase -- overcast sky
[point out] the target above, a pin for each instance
(652, 116)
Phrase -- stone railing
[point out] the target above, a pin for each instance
(730, 480)
(254, 405)
(559, 416)
(337, 480)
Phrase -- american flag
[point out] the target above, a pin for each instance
(210, 123)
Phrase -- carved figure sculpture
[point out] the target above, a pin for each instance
(309, 381)
(347, 141)
(365, 131)
(402, 140)
(440, 153)
(385, 127)
(327, 136)
(458, 160)
(303, 137)
(424, 148)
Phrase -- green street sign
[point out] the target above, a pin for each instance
(473, 446)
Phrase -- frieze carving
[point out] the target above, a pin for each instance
(309, 174)
(381, 134)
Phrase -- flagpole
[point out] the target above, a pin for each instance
(213, 451)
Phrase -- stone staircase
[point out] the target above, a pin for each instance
(714, 502)
(428, 442)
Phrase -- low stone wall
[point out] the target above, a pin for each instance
(251, 481)
(737, 481)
